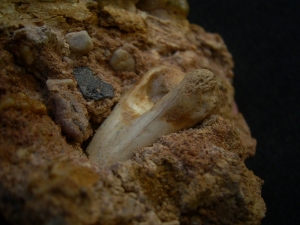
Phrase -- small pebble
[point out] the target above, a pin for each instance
(71, 115)
(79, 42)
(92, 88)
(53, 84)
(121, 60)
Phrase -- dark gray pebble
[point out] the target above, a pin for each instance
(92, 88)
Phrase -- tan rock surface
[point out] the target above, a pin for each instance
(48, 116)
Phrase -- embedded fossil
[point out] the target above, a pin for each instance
(187, 104)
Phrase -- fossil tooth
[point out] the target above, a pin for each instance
(128, 129)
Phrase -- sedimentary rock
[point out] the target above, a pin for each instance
(67, 65)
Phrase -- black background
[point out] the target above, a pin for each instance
(263, 37)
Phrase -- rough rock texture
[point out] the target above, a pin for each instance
(196, 176)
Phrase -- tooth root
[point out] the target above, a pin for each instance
(183, 107)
